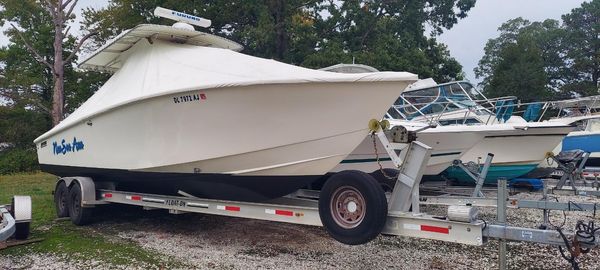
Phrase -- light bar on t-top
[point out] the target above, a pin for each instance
(181, 17)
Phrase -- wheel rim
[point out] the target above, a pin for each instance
(75, 202)
(62, 202)
(347, 207)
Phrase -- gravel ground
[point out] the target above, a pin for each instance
(214, 242)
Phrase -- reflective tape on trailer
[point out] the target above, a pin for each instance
(426, 228)
(280, 212)
(133, 197)
(153, 200)
(228, 208)
(107, 195)
(198, 205)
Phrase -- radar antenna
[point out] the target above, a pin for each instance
(183, 20)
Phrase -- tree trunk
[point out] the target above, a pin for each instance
(278, 12)
(58, 97)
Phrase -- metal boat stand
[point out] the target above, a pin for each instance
(572, 164)
(473, 170)
(574, 175)
(476, 171)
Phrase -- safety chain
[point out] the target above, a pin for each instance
(374, 138)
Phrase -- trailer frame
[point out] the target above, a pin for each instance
(301, 207)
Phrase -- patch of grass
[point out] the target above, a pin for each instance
(67, 240)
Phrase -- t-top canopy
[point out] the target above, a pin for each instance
(107, 57)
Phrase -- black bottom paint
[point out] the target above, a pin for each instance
(211, 186)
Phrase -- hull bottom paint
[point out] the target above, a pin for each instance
(204, 185)
(494, 172)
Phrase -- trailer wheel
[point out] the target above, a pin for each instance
(353, 207)
(61, 199)
(79, 215)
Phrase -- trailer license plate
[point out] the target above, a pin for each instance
(175, 203)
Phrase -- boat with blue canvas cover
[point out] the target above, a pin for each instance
(587, 137)
(587, 140)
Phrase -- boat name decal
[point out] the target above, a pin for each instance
(189, 98)
(64, 147)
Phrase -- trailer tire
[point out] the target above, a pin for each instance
(61, 200)
(22, 230)
(79, 215)
(353, 207)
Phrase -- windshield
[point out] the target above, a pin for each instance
(593, 125)
(423, 100)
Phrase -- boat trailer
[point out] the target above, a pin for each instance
(15, 219)
(404, 218)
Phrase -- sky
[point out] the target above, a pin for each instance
(467, 38)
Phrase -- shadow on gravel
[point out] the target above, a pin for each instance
(114, 219)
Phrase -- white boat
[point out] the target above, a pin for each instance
(185, 111)
(517, 151)
(449, 143)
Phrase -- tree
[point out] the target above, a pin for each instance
(273, 29)
(522, 34)
(519, 72)
(582, 39)
(389, 35)
(23, 14)
(570, 52)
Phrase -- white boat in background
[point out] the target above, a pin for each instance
(185, 111)
(449, 143)
(517, 151)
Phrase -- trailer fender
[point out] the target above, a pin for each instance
(88, 189)
(21, 209)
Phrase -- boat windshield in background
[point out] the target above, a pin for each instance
(454, 103)
(460, 103)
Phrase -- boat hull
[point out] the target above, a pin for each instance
(586, 141)
(512, 171)
(285, 131)
(516, 153)
(447, 146)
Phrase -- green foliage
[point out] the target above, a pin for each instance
(568, 53)
(16, 160)
(18, 128)
(75, 243)
(389, 35)
(582, 42)
(519, 72)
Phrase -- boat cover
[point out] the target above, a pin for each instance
(162, 68)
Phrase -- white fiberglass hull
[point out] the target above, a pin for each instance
(285, 130)
(522, 146)
(448, 142)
